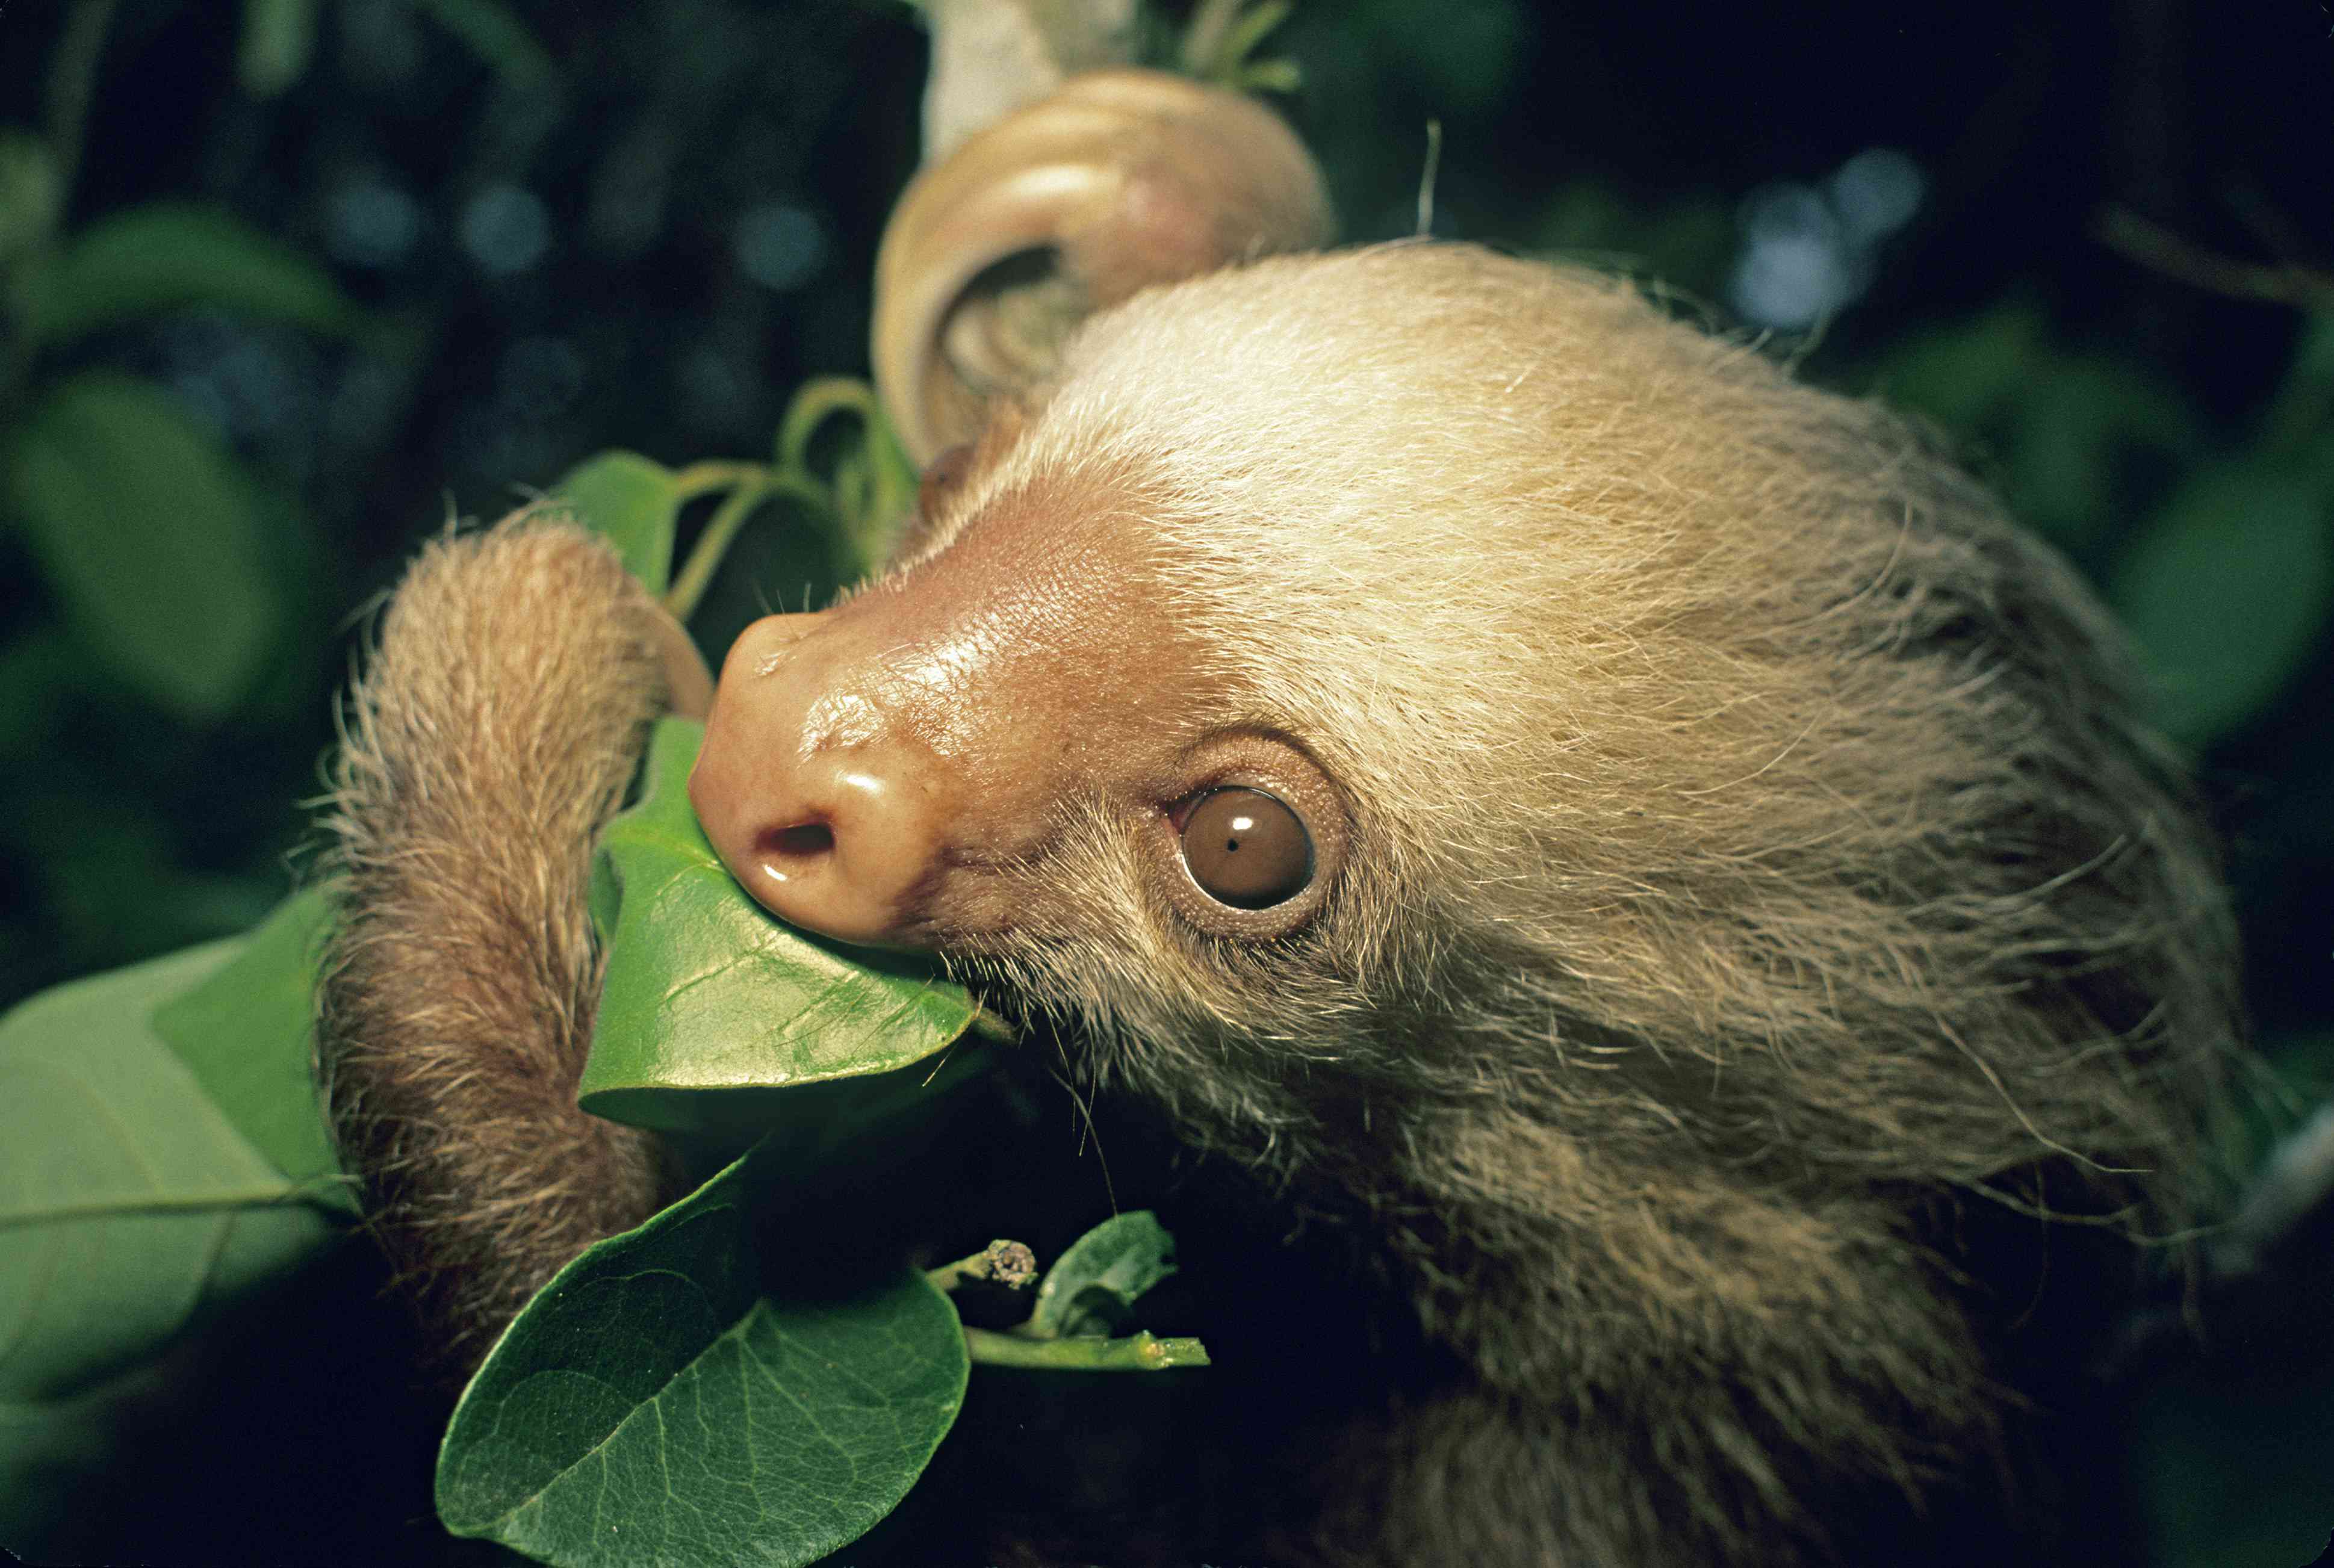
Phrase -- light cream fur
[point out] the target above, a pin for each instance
(1757, 852)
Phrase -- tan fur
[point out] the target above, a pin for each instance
(1753, 853)
(1756, 845)
(494, 732)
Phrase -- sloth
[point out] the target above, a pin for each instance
(1647, 844)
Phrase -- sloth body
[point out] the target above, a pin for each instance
(1730, 846)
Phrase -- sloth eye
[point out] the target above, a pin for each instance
(1246, 849)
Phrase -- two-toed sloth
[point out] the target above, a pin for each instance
(1652, 838)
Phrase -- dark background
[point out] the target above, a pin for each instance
(2093, 240)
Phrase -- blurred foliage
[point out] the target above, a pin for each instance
(277, 298)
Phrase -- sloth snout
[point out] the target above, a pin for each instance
(815, 802)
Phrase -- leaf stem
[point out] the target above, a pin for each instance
(1138, 1352)
(720, 531)
(813, 405)
(704, 478)
(755, 485)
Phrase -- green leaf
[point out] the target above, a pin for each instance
(247, 1033)
(2227, 590)
(496, 35)
(28, 192)
(128, 1203)
(651, 1406)
(278, 35)
(151, 538)
(1960, 374)
(630, 502)
(714, 1015)
(2077, 422)
(166, 255)
(41, 674)
(1092, 1287)
(2301, 415)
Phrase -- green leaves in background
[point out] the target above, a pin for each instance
(630, 502)
(651, 1406)
(2062, 430)
(130, 1207)
(1091, 1288)
(714, 1015)
(1685, 245)
(2228, 582)
(166, 255)
(278, 36)
(495, 34)
(2227, 589)
(29, 198)
(151, 535)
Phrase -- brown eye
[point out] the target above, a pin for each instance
(1246, 849)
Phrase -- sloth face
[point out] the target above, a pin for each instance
(908, 768)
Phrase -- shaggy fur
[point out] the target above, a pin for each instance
(1756, 844)
(1754, 855)
(493, 735)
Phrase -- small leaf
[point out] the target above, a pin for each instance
(151, 537)
(166, 255)
(1091, 1288)
(247, 1032)
(715, 1015)
(127, 1202)
(651, 1406)
(631, 503)
(2227, 590)
(278, 35)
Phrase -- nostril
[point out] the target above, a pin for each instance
(803, 840)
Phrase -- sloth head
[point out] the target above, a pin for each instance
(1411, 678)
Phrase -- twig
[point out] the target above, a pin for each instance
(2151, 245)
(1139, 1352)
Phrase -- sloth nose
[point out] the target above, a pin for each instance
(807, 789)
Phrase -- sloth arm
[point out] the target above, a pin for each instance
(492, 734)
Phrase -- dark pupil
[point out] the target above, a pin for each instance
(1267, 856)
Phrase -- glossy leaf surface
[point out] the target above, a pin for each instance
(247, 1033)
(652, 1405)
(714, 1015)
(631, 503)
